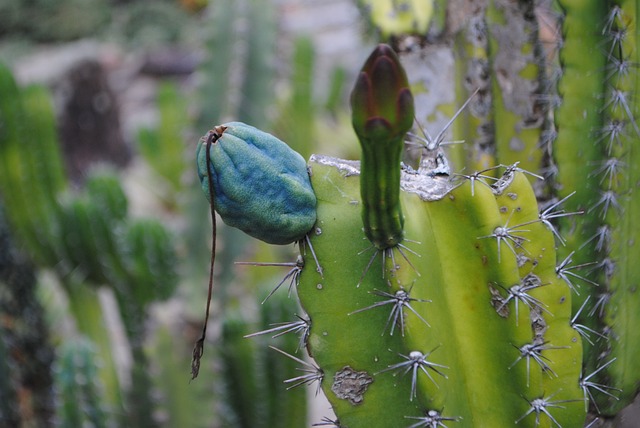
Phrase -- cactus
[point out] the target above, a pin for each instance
(517, 66)
(87, 238)
(496, 320)
(296, 125)
(604, 88)
(79, 394)
(395, 332)
(581, 129)
(252, 372)
(244, 95)
(162, 149)
(490, 306)
(26, 354)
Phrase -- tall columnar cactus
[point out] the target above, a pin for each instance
(26, 354)
(252, 373)
(596, 153)
(243, 90)
(79, 397)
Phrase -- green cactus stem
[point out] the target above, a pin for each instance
(475, 126)
(251, 49)
(33, 168)
(622, 310)
(596, 146)
(516, 60)
(392, 18)
(162, 148)
(26, 354)
(253, 373)
(80, 389)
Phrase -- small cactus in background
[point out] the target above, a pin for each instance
(26, 353)
(87, 239)
(80, 398)
(252, 373)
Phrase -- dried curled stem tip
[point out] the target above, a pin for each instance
(217, 131)
(198, 351)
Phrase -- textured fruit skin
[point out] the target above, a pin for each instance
(261, 185)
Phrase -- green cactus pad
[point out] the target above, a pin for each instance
(473, 359)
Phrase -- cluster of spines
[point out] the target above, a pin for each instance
(524, 240)
(252, 372)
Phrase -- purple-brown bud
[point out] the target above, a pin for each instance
(381, 101)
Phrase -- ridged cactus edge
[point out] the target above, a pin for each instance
(595, 155)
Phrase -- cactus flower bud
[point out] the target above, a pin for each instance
(381, 102)
(382, 113)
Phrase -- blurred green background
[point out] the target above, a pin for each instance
(105, 234)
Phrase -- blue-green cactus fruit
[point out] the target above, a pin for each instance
(261, 185)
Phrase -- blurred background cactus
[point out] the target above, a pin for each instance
(112, 261)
